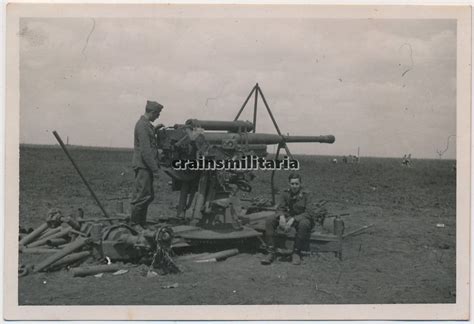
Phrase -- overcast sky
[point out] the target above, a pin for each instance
(386, 86)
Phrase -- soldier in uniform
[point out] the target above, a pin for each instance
(407, 160)
(292, 211)
(145, 162)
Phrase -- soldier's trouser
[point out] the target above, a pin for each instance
(302, 224)
(142, 196)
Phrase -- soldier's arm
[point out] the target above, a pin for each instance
(307, 201)
(282, 203)
(146, 149)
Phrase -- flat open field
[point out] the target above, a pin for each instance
(404, 258)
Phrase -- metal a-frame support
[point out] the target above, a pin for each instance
(256, 90)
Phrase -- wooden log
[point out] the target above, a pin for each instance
(206, 260)
(65, 231)
(193, 256)
(56, 241)
(38, 250)
(219, 256)
(73, 257)
(357, 231)
(68, 249)
(49, 232)
(34, 235)
(92, 270)
(78, 232)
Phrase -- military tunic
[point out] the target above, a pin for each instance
(294, 205)
(145, 146)
(146, 165)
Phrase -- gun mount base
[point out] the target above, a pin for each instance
(217, 235)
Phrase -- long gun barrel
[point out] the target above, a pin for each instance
(221, 125)
(268, 139)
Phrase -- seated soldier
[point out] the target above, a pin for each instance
(291, 212)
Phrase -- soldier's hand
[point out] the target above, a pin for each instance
(282, 221)
(286, 228)
(159, 126)
(290, 222)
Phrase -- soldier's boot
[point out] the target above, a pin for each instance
(270, 257)
(296, 258)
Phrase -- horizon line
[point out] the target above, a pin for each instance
(122, 148)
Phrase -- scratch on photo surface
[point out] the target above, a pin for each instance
(88, 37)
(441, 152)
(411, 58)
(214, 98)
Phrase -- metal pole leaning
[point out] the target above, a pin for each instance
(245, 103)
(274, 122)
(272, 178)
(257, 89)
(60, 141)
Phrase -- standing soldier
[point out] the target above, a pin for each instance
(292, 211)
(407, 160)
(145, 162)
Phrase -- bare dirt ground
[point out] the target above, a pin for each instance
(404, 258)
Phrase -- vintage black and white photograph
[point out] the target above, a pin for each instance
(241, 155)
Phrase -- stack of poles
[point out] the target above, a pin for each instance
(56, 242)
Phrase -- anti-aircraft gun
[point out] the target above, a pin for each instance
(210, 198)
